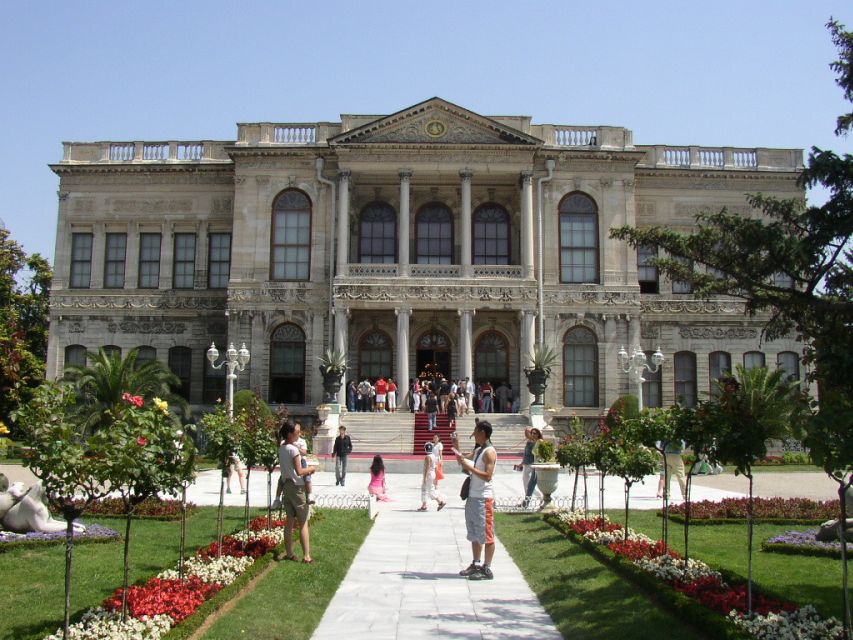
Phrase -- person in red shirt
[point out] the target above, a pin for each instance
(381, 392)
(391, 400)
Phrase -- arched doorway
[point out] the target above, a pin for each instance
(433, 355)
(287, 365)
(375, 355)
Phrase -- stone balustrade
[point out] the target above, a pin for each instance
(284, 133)
(372, 270)
(145, 152)
(507, 271)
(695, 157)
(390, 270)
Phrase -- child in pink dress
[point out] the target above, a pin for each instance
(377, 480)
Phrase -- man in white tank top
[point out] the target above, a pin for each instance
(480, 505)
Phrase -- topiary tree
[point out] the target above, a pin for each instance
(74, 471)
(630, 461)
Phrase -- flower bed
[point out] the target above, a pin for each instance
(714, 602)
(93, 533)
(150, 508)
(158, 605)
(804, 543)
(768, 510)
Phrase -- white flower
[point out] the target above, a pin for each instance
(246, 535)
(671, 569)
(223, 570)
(804, 624)
(99, 624)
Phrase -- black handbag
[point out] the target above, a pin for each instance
(466, 487)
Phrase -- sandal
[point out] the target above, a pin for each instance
(307, 560)
(279, 557)
(421, 509)
(441, 505)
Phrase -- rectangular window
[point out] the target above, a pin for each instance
(685, 378)
(219, 261)
(719, 365)
(116, 251)
(291, 245)
(180, 363)
(578, 248)
(647, 274)
(183, 274)
(652, 385)
(149, 260)
(81, 260)
(753, 360)
(790, 362)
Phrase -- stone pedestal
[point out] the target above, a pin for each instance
(547, 475)
(328, 429)
(540, 418)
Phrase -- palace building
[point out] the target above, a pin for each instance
(434, 239)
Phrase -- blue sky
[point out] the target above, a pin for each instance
(750, 73)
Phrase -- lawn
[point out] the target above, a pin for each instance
(32, 585)
(583, 597)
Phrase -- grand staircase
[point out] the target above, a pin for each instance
(405, 433)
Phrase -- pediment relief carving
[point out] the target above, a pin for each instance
(435, 121)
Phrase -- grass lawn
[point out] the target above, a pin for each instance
(783, 468)
(583, 597)
(802, 579)
(290, 601)
(32, 585)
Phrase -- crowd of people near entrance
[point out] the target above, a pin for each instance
(432, 396)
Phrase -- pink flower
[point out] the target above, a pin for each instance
(136, 401)
(141, 441)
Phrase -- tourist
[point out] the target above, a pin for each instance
(429, 489)
(443, 394)
(377, 480)
(675, 465)
(438, 454)
(452, 411)
(391, 397)
(381, 393)
(480, 505)
(235, 465)
(303, 449)
(528, 477)
(352, 396)
(340, 451)
(364, 389)
(461, 402)
(485, 397)
(414, 395)
(294, 497)
(432, 409)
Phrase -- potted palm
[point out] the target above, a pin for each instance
(547, 470)
(541, 361)
(333, 365)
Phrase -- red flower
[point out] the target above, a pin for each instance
(636, 549)
(709, 592)
(141, 441)
(596, 524)
(136, 401)
(174, 598)
(261, 523)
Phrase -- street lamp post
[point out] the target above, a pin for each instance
(235, 361)
(635, 364)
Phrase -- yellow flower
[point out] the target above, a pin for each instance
(3, 429)
(162, 405)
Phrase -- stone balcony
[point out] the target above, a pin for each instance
(141, 152)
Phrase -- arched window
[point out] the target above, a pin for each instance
(75, 355)
(213, 380)
(377, 238)
(578, 239)
(790, 362)
(491, 358)
(145, 354)
(287, 365)
(753, 359)
(434, 234)
(375, 355)
(719, 365)
(112, 350)
(652, 388)
(490, 235)
(684, 363)
(580, 368)
(291, 236)
(180, 363)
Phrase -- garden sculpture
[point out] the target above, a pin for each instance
(829, 530)
(23, 511)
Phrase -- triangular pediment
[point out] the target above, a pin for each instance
(435, 121)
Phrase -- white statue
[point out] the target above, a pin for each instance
(23, 511)
(829, 530)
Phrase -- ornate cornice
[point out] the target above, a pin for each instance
(693, 306)
(165, 302)
(718, 333)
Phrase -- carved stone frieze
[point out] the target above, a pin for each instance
(183, 205)
(222, 205)
(268, 293)
(693, 306)
(166, 301)
(145, 327)
(75, 327)
(609, 298)
(718, 333)
(222, 177)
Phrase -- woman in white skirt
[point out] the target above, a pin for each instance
(429, 490)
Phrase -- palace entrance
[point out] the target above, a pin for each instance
(433, 356)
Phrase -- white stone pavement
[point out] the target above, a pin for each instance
(404, 581)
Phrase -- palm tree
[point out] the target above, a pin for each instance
(100, 386)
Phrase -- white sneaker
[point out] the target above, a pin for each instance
(276, 504)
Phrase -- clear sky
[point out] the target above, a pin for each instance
(746, 73)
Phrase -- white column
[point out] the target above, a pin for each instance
(466, 335)
(341, 344)
(611, 374)
(466, 175)
(528, 339)
(527, 223)
(343, 222)
(403, 246)
(403, 316)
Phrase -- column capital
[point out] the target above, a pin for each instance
(526, 312)
(341, 312)
(344, 174)
(527, 178)
(466, 175)
(405, 174)
(399, 311)
(462, 312)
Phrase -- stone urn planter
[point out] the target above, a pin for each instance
(332, 367)
(547, 476)
(541, 361)
(537, 382)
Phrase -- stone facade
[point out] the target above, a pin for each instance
(432, 236)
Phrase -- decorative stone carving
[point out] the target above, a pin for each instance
(718, 333)
(23, 511)
(167, 301)
(146, 207)
(650, 332)
(75, 327)
(222, 205)
(146, 327)
(692, 306)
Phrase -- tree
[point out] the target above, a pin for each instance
(223, 442)
(102, 385)
(259, 442)
(810, 246)
(24, 291)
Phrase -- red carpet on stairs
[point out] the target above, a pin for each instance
(424, 435)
